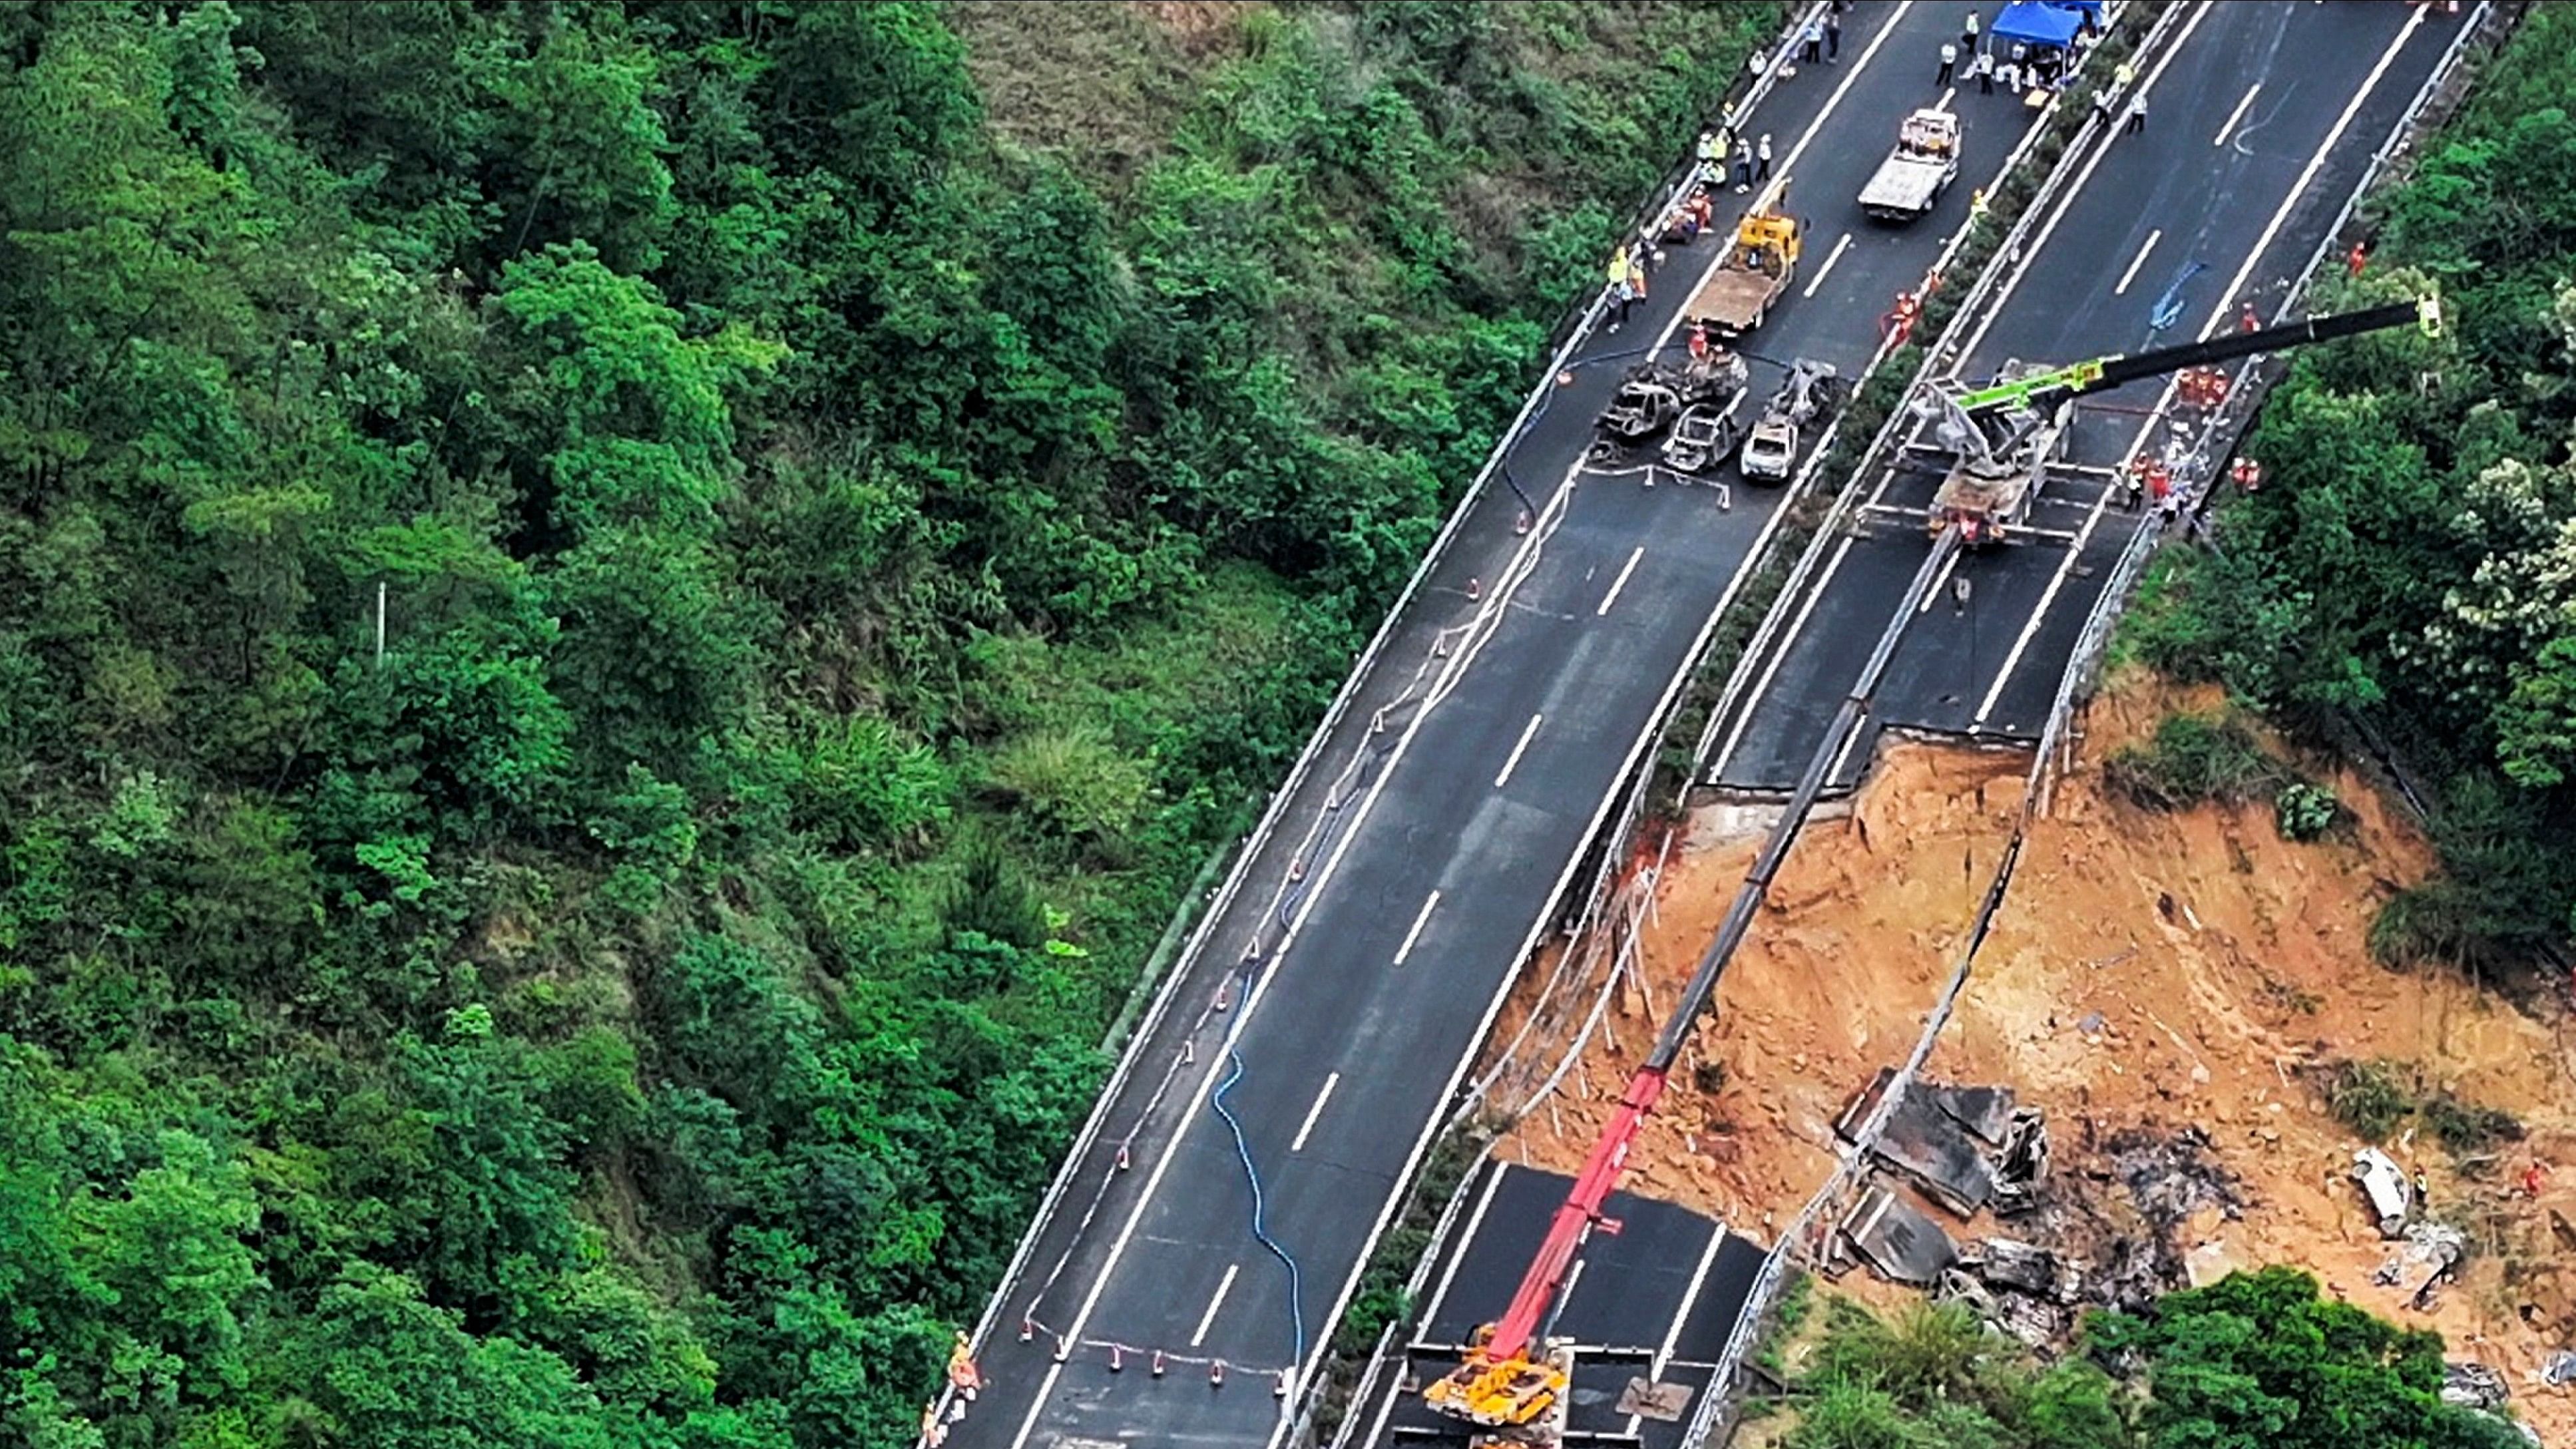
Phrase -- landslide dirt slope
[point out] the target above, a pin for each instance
(2098, 1005)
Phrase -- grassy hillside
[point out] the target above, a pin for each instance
(619, 624)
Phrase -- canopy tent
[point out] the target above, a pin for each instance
(2042, 22)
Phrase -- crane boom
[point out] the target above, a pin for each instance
(1506, 1381)
(2103, 373)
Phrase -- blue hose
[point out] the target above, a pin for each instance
(1260, 1230)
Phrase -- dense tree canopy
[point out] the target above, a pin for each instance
(841, 565)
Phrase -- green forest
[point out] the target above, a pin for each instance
(621, 624)
(2404, 579)
(2257, 1360)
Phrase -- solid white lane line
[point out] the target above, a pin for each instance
(1475, 1219)
(2299, 188)
(2048, 596)
(1620, 582)
(1932, 595)
(2218, 315)
(2236, 115)
(1832, 257)
(1790, 161)
(1224, 1286)
(1527, 732)
(1664, 1351)
(2103, 147)
(1415, 934)
(2138, 261)
(1780, 652)
(1308, 1126)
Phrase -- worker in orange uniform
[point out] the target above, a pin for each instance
(1698, 343)
(2354, 260)
(2251, 321)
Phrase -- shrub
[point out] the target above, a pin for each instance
(2466, 1127)
(2370, 1097)
(2194, 758)
(2304, 811)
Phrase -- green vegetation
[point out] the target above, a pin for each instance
(2370, 1097)
(2405, 567)
(841, 570)
(2194, 758)
(2374, 1098)
(2257, 1358)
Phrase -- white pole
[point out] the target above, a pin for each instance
(380, 623)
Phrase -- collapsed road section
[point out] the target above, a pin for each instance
(1210, 1226)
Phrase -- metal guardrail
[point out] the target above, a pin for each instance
(2074, 685)
(1584, 316)
(1935, 357)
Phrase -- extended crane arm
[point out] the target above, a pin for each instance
(2103, 373)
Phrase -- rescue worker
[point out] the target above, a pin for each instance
(2249, 320)
(1743, 167)
(1814, 42)
(2137, 114)
(1983, 68)
(1949, 62)
(1712, 156)
(2133, 485)
(1834, 36)
(1968, 33)
(1764, 153)
(1620, 295)
(1698, 344)
(2423, 1190)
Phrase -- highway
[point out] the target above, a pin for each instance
(1324, 1018)
(1660, 1295)
(2259, 129)
(2345, 74)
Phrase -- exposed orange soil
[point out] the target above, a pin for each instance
(2205, 1018)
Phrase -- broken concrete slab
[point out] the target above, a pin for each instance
(1984, 1111)
(1928, 1145)
(1898, 1239)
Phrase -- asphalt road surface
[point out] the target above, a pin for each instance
(1516, 689)
(1655, 1302)
(2260, 127)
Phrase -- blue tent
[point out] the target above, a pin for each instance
(2042, 22)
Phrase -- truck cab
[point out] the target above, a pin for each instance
(1909, 183)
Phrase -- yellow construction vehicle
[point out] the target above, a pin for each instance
(1758, 269)
(1520, 1397)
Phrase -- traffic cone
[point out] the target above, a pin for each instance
(1122, 1157)
(1475, 589)
(1224, 993)
(1063, 1349)
(1117, 1358)
(1216, 1374)
(1028, 1328)
(1189, 1053)
(1157, 1365)
(1279, 1390)
(1521, 525)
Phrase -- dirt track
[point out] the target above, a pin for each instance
(2097, 1005)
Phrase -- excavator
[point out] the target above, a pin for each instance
(2005, 434)
(1511, 1386)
